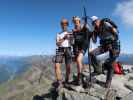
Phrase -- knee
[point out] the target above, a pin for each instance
(57, 66)
(92, 54)
(80, 58)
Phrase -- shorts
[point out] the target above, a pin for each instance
(63, 52)
(80, 47)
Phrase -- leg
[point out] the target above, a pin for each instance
(82, 48)
(67, 73)
(110, 71)
(58, 61)
(79, 65)
(75, 49)
(58, 72)
(58, 84)
(94, 60)
(110, 67)
(68, 60)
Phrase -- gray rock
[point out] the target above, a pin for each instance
(92, 94)
(128, 97)
(65, 94)
(111, 94)
(118, 84)
(129, 85)
(121, 88)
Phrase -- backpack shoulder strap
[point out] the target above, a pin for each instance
(109, 21)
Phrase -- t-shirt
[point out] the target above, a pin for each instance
(66, 42)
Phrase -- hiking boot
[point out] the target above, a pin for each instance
(79, 81)
(58, 85)
(66, 83)
(108, 84)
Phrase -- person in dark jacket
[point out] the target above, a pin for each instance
(109, 42)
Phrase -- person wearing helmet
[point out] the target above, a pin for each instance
(78, 47)
(107, 32)
(63, 51)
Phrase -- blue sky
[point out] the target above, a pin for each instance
(29, 27)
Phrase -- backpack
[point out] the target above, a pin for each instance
(112, 23)
(109, 21)
(118, 69)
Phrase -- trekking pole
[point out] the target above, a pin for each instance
(87, 31)
(89, 60)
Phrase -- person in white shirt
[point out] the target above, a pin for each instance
(63, 51)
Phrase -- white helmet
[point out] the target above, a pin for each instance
(94, 18)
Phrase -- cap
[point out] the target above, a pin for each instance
(94, 18)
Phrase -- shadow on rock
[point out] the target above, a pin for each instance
(37, 97)
(52, 95)
(101, 83)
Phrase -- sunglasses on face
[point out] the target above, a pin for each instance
(64, 24)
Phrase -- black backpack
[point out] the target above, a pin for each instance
(110, 21)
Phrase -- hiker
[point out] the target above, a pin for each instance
(63, 51)
(107, 32)
(79, 47)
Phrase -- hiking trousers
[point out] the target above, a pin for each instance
(114, 50)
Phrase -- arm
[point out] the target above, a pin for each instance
(59, 40)
(94, 37)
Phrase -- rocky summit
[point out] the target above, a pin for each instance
(121, 89)
(36, 84)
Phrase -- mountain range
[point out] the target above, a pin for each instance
(12, 66)
(30, 78)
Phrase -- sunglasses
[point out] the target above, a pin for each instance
(64, 24)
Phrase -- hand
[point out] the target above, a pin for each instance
(67, 36)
